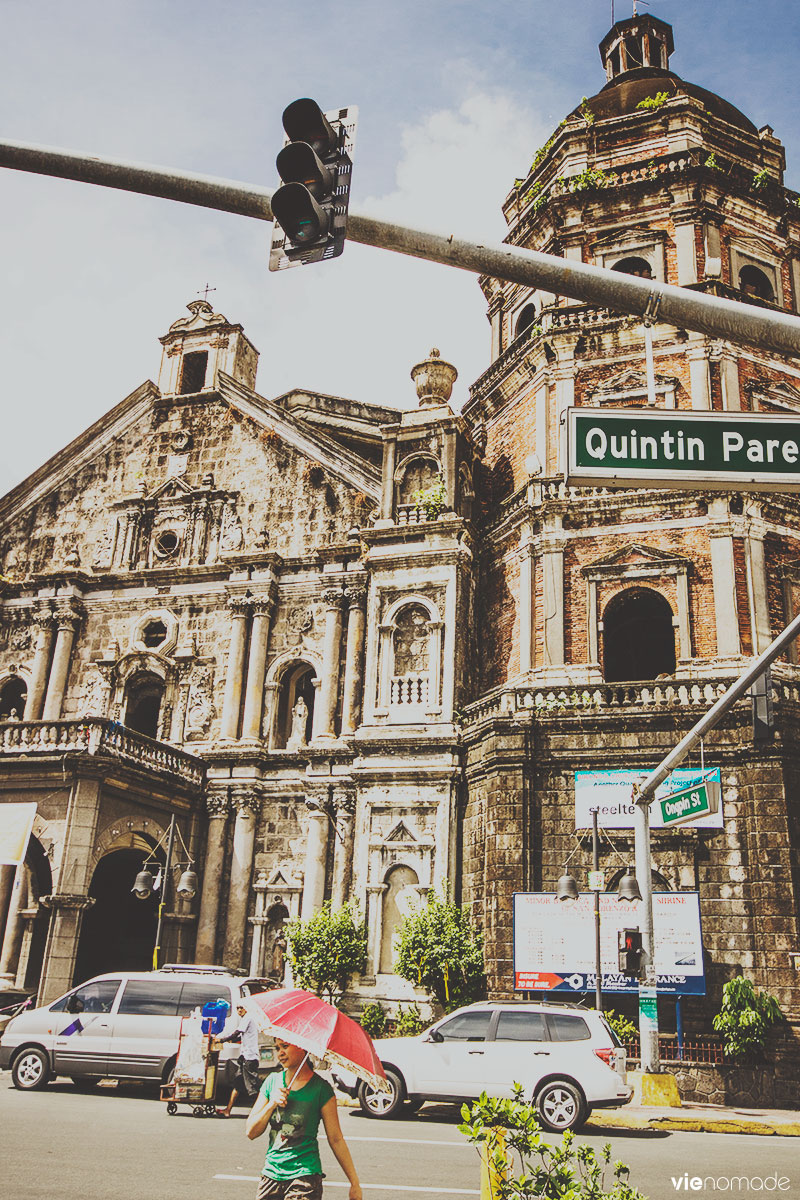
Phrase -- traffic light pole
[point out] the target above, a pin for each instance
(645, 298)
(643, 796)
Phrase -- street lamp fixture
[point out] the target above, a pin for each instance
(145, 884)
(567, 887)
(629, 887)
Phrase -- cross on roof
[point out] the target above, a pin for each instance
(208, 288)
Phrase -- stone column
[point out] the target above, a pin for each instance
(325, 706)
(316, 856)
(553, 589)
(387, 483)
(258, 922)
(8, 874)
(62, 943)
(723, 576)
(67, 627)
(699, 380)
(375, 894)
(248, 806)
(41, 662)
(757, 579)
(526, 601)
(12, 938)
(232, 702)
(343, 851)
(256, 667)
(205, 949)
(355, 595)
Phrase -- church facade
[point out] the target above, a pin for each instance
(360, 654)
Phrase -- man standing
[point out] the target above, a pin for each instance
(246, 1078)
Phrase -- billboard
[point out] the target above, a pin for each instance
(554, 944)
(610, 793)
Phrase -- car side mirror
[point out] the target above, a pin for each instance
(434, 1036)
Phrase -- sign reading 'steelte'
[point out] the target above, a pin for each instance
(677, 449)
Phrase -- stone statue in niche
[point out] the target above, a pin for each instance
(232, 537)
(95, 697)
(297, 736)
(279, 947)
(200, 707)
(105, 547)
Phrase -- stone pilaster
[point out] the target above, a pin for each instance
(343, 850)
(356, 596)
(218, 808)
(259, 922)
(256, 668)
(67, 909)
(526, 623)
(723, 577)
(316, 856)
(325, 707)
(41, 663)
(67, 624)
(232, 702)
(248, 806)
(553, 590)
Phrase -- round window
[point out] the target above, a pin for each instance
(167, 543)
(154, 633)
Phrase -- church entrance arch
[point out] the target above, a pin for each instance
(638, 636)
(118, 932)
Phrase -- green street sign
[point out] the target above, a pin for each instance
(686, 805)
(667, 448)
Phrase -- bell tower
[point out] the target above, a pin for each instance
(198, 347)
(640, 42)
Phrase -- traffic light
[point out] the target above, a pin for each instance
(630, 951)
(315, 166)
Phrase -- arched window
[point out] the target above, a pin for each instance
(411, 675)
(398, 899)
(754, 282)
(634, 266)
(295, 711)
(13, 695)
(417, 475)
(525, 320)
(638, 636)
(144, 695)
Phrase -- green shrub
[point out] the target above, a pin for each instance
(327, 950)
(656, 101)
(745, 1018)
(761, 179)
(561, 1172)
(439, 948)
(625, 1030)
(373, 1019)
(431, 500)
(408, 1022)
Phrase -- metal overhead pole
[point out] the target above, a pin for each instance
(643, 796)
(645, 298)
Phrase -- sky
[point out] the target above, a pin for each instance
(454, 98)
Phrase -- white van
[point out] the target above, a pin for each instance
(123, 1025)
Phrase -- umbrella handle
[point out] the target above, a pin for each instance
(297, 1072)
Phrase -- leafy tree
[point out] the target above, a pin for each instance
(625, 1029)
(327, 950)
(567, 1171)
(439, 948)
(745, 1018)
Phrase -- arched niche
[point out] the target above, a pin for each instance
(401, 895)
(144, 696)
(634, 265)
(638, 636)
(526, 318)
(755, 282)
(409, 683)
(13, 694)
(294, 681)
(417, 473)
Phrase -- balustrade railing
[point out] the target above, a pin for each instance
(411, 514)
(96, 735)
(410, 689)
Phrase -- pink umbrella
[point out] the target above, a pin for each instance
(304, 1020)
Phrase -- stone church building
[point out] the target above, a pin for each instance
(238, 610)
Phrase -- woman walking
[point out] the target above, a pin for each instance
(290, 1104)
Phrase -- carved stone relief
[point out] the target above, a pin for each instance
(200, 710)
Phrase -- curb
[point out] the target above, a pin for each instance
(698, 1125)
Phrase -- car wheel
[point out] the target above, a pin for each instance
(31, 1070)
(560, 1106)
(382, 1104)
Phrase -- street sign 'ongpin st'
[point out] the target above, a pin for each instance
(678, 449)
(690, 803)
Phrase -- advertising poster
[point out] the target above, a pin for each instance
(554, 946)
(610, 792)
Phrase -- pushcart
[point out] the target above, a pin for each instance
(194, 1080)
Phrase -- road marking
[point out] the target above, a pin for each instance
(411, 1141)
(375, 1187)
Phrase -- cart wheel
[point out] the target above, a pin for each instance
(198, 1111)
(172, 1108)
(211, 1109)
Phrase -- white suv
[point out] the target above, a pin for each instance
(568, 1061)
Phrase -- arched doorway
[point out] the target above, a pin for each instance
(118, 932)
(144, 695)
(638, 636)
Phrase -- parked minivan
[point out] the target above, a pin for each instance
(122, 1025)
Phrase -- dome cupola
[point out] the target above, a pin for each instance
(640, 42)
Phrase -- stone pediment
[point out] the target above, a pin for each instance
(400, 833)
(630, 380)
(636, 560)
(775, 395)
(173, 488)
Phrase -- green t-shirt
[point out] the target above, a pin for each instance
(293, 1148)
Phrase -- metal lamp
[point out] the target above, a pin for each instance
(567, 887)
(629, 887)
(143, 884)
(187, 884)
